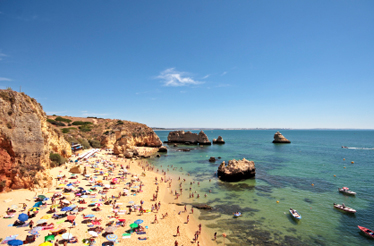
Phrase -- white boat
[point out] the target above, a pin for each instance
(344, 208)
(295, 214)
(346, 190)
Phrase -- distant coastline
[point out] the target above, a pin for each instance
(236, 129)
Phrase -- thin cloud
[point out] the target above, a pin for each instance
(2, 55)
(55, 112)
(172, 77)
(224, 73)
(5, 79)
(206, 76)
(85, 113)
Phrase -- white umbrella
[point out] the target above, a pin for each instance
(67, 236)
(93, 233)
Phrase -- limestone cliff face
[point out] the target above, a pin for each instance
(236, 170)
(125, 137)
(26, 139)
(188, 137)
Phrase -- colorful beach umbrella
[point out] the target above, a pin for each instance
(41, 221)
(138, 222)
(133, 225)
(49, 238)
(67, 236)
(46, 244)
(111, 237)
(41, 196)
(23, 217)
(34, 209)
(15, 242)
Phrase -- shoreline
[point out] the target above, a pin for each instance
(161, 233)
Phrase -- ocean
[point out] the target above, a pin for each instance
(304, 175)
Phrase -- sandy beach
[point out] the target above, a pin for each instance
(161, 232)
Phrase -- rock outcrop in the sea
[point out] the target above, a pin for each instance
(212, 159)
(219, 140)
(236, 170)
(162, 149)
(188, 138)
(279, 138)
(26, 141)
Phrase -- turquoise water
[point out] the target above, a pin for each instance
(285, 173)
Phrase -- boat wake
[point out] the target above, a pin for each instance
(345, 147)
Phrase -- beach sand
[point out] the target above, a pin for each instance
(161, 233)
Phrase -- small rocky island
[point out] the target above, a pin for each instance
(219, 140)
(279, 138)
(236, 170)
(188, 138)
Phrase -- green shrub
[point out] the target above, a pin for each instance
(85, 128)
(84, 143)
(57, 159)
(120, 122)
(50, 120)
(59, 118)
(79, 123)
(65, 130)
(95, 144)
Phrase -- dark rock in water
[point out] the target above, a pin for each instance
(187, 143)
(163, 149)
(236, 170)
(175, 145)
(308, 200)
(219, 140)
(279, 138)
(158, 156)
(219, 157)
(212, 159)
(202, 206)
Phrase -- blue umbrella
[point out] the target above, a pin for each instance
(46, 199)
(69, 184)
(23, 217)
(15, 242)
(112, 237)
(138, 221)
(90, 215)
(84, 196)
(38, 204)
(66, 209)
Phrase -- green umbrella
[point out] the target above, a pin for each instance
(42, 196)
(49, 238)
(134, 225)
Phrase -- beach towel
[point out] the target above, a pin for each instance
(141, 232)
(12, 237)
(126, 235)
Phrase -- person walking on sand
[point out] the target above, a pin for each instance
(188, 218)
(215, 236)
(176, 243)
(178, 233)
(191, 210)
(156, 221)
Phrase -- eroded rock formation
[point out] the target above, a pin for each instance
(163, 149)
(188, 138)
(236, 170)
(126, 137)
(26, 140)
(219, 140)
(279, 138)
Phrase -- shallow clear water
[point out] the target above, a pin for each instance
(284, 173)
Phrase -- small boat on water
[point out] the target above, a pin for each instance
(344, 147)
(295, 214)
(367, 231)
(346, 190)
(344, 208)
(237, 214)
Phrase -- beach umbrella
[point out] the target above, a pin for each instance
(131, 202)
(65, 201)
(38, 204)
(71, 217)
(66, 209)
(46, 244)
(90, 216)
(84, 196)
(35, 230)
(47, 216)
(23, 217)
(14, 206)
(61, 185)
(67, 236)
(93, 233)
(111, 229)
(111, 237)
(15, 242)
(138, 222)
(42, 196)
(133, 225)
(41, 221)
(49, 238)
(98, 204)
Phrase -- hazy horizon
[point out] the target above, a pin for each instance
(242, 64)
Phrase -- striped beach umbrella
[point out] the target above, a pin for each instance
(111, 237)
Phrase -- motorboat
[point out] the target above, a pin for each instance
(344, 208)
(367, 231)
(346, 190)
(237, 214)
(295, 214)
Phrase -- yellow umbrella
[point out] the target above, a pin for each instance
(54, 206)
(47, 216)
(61, 185)
(46, 244)
(34, 209)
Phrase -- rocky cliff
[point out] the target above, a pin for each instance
(188, 137)
(236, 170)
(26, 140)
(219, 140)
(279, 138)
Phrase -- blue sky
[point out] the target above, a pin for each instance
(238, 64)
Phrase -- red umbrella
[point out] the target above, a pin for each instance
(71, 217)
